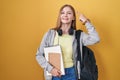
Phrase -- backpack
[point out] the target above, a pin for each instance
(88, 67)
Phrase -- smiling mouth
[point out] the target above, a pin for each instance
(65, 19)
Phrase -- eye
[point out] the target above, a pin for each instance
(62, 12)
(69, 13)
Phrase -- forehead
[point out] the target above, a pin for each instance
(67, 8)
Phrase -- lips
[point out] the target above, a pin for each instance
(65, 19)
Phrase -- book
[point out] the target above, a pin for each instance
(54, 60)
(53, 55)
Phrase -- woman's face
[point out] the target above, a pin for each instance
(66, 15)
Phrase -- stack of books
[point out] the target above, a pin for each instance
(53, 55)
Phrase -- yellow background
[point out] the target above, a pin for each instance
(23, 23)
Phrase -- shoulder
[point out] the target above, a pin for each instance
(49, 33)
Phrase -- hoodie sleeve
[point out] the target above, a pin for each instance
(91, 37)
(40, 54)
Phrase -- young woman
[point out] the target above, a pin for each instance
(64, 35)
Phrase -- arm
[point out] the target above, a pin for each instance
(91, 37)
(41, 59)
(40, 55)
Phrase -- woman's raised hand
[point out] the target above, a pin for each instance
(82, 18)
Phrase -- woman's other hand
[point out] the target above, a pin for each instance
(56, 72)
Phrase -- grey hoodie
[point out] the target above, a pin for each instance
(89, 38)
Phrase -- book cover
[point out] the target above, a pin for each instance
(54, 60)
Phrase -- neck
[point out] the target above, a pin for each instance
(65, 28)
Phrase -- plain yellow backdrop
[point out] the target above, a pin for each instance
(24, 22)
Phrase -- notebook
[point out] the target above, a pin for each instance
(54, 60)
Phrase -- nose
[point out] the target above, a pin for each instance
(65, 14)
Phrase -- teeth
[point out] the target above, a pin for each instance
(65, 19)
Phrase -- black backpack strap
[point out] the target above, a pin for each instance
(77, 36)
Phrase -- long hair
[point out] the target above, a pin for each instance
(58, 23)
